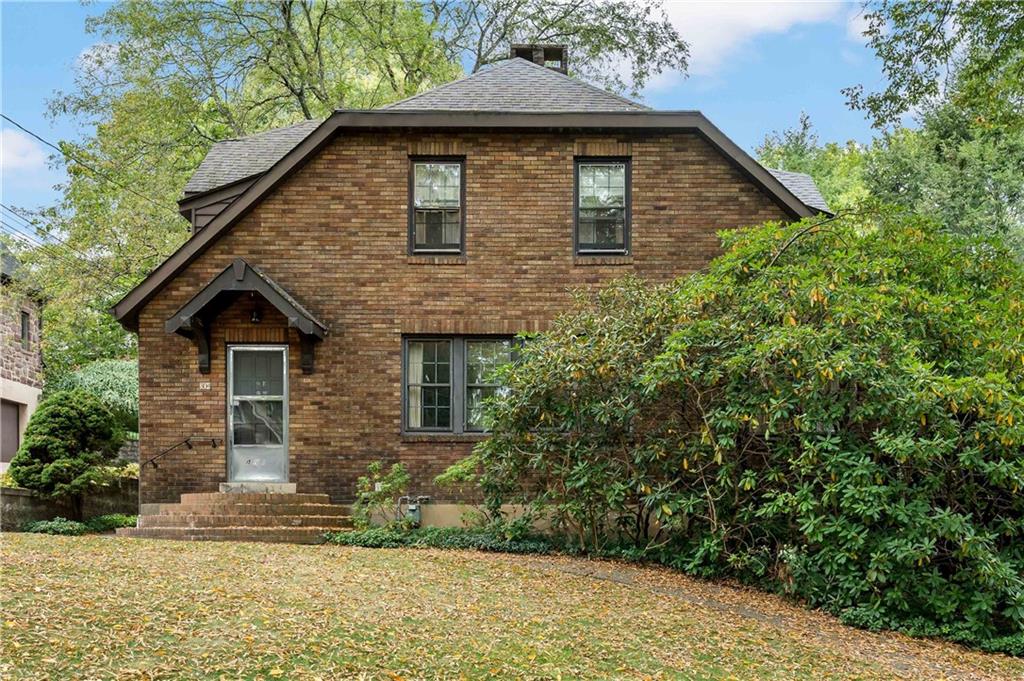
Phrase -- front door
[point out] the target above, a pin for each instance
(257, 413)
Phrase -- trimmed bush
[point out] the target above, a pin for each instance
(69, 439)
(110, 522)
(61, 526)
(440, 538)
(832, 410)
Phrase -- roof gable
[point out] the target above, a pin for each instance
(126, 310)
(517, 85)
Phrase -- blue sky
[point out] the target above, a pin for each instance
(754, 67)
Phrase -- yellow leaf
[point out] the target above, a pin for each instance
(276, 671)
(666, 509)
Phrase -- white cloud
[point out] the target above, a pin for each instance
(716, 30)
(856, 24)
(20, 152)
(99, 55)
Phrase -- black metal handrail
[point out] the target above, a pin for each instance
(190, 443)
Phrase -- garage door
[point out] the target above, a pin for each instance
(8, 430)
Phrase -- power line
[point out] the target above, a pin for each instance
(50, 238)
(87, 166)
(52, 250)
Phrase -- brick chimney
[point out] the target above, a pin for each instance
(554, 57)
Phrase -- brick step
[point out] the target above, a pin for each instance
(293, 535)
(215, 521)
(254, 498)
(253, 509)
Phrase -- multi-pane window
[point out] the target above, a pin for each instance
(428, 368)
(448, 380)
(25, 337)
(483, 357)
(436, 213)
(602, 206)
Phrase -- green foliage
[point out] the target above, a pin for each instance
(485, 539)
(110, 522)
(68, 441)
(163, 81)
(834, 410)
(73, 528)
(115, 382)
(377, 493)
(61, 526)
(920, 43)
(955, 168)
(838, 170)
(964, 173)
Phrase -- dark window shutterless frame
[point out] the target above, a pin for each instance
(619, 249)
(413, 249)
(457, 382)
(26, 339)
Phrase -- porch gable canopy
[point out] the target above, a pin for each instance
(193, 319)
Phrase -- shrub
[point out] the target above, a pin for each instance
(831, 410)
(485, 539)
(377, 493)
(67, 442)
(61, 526)
(115, 382)
(110, 522)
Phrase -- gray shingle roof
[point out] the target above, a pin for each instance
(513, 85)
(802, 186)
(236, 159)
(9, 264)
(517, 85)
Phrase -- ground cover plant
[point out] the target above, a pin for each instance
(106, 607)
(832, 410)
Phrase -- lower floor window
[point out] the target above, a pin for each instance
(448, 380)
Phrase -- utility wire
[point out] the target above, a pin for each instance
(50, 238)
(87, 166)
(52, 249)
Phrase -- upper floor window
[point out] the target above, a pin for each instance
(25, 337)
(602, 206)
(437, 188)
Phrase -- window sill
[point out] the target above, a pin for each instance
(443, 437)
(599, 260)
(428, 259)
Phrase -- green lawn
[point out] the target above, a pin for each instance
(102, 607)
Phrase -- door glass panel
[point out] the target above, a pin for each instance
(258, 422)
(258, 373)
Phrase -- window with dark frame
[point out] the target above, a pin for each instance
(448, 380)
(25, 325)
(436, 215)
(602, 209)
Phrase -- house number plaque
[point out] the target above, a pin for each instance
(204, 385)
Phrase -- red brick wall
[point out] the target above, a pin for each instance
(335, 235)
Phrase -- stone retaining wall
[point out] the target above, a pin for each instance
(19, 506)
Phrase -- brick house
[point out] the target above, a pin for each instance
(349, 283)
(21, 358)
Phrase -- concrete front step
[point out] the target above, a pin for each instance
(191, 520)
(253, 498)
(271, 510)
(292, 535)
(242, 516)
